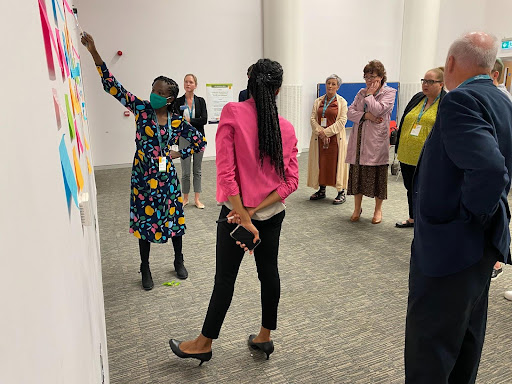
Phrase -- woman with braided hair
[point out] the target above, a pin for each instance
(156, 209)
(256, 170)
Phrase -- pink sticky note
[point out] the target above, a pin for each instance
(56, 105)
(48, 37)
(66, 5)
(60, 53)
(76, 53)
(78, 140)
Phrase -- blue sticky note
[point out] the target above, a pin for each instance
(67, 173)
(55, 12)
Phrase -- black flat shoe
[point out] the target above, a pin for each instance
(340, 199)
(320, 194)
(407, 224)
(267, 347)
(175, 347)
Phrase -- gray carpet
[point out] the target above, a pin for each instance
(343, 301)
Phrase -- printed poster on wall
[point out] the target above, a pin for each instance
(217, 96)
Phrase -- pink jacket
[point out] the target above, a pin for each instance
(238, 163)
(375, 137)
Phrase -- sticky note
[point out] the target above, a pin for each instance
(89, 168)
(56, 105)
(70, 119)
(47, 37)
(78, 140)
(78, 171)
(67, 173)
(86, 143)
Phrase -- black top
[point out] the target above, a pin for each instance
(201, 118)
(243, 95)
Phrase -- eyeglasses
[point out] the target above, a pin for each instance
(370, 77)
(430, 82)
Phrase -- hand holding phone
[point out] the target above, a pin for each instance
(245, 237)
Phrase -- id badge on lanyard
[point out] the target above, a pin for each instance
(162, 164)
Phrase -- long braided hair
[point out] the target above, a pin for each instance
(265, 79)
(173, 88)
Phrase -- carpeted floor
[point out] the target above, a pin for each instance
(343, 300)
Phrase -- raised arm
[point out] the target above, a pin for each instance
(383, 106)
(353, 112)
(110, 84)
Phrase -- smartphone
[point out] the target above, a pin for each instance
(244, 236)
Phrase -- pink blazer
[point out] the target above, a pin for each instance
(375, 137)
(237, 158)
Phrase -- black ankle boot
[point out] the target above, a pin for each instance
(179, 267)
(147, 280)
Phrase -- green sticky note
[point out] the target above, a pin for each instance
(71, 123)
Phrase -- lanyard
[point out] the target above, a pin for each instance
(327, 105)
(168, 131)
(477, 77)
(423, 108)
(190, 111)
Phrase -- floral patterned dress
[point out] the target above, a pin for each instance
(156, 205)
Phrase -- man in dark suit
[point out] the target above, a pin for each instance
(462, 223)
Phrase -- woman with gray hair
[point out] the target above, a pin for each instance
(328, 145)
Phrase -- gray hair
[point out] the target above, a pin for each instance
(335, 77)
(475, 50)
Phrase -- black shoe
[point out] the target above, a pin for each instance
(179, 267)
(175, 347)
(147, 280)
(340, 199)
(496, 273)
(320, 194)
(267, 347)
(406, 224)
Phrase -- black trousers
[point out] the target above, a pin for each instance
(407, 175)
(228, 259)
(145, 247)
(446, 321)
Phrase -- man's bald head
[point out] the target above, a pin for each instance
(475, 50)
(470, 55)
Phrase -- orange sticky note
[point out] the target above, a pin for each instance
(78, 171)
(88, 165)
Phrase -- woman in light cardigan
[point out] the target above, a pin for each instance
(322, 168)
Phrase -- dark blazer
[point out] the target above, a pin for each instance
(243, 95)
(201, 112)
(416, 99)
(462, 181)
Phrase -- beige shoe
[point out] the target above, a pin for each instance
(508, 295)
(199, 205)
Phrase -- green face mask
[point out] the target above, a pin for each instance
(158, 101)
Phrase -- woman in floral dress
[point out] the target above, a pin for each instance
(156, 209)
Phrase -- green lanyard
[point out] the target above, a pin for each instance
(477, 77)
(423, 108)
(327, 105)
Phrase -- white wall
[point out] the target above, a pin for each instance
(341, 36)
(215, 40)
(52, 316)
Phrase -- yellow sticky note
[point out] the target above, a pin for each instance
(86, 143)
(89, 165)
(78, 171)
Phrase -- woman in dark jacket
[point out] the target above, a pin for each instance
(417, 122)
(193, 110)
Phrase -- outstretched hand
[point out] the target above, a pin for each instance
(88, 42)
